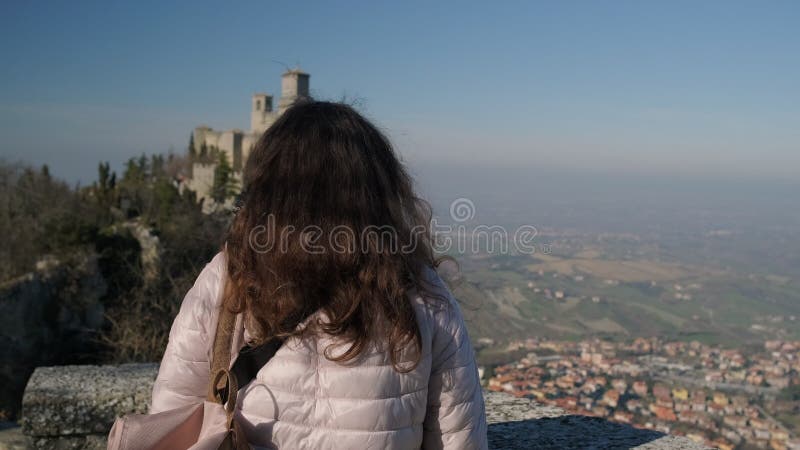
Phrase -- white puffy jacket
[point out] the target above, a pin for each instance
(301, 400)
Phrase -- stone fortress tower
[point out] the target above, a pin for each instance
(236, 144)
(294, 87)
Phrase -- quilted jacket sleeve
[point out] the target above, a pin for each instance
(183, 375)
(456, 417)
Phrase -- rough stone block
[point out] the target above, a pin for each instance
(517, 424)
(80, 400)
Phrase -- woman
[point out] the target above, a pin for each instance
(330, 251)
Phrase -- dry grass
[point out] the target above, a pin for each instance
(139, 329)
(625, 271)
(604, 325)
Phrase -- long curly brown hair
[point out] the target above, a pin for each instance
(329, 221)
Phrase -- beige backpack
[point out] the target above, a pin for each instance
(206, 426)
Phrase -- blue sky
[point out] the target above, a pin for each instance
(676, 88)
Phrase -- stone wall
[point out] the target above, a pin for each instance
(73, 407)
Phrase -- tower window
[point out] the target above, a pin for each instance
(258, 105)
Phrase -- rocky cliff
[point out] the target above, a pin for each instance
(49, 316)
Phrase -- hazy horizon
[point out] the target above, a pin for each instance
(675, 90)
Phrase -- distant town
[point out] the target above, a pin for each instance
(725, 398)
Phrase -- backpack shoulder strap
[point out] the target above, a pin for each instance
(221, 352)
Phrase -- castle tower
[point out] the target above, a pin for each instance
(294, 87)
(260, 112)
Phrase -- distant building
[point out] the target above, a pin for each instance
(237, 144)
(640, 388)
(680, 393)
(720, 398)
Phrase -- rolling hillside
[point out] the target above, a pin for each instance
(507, 297)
